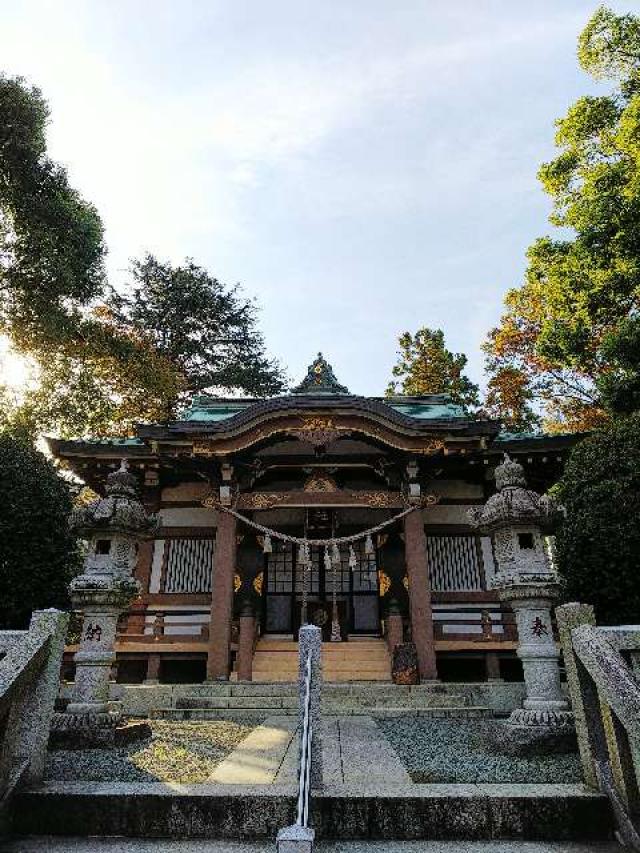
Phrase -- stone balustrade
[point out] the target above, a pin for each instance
(602, 676)
(29, 676)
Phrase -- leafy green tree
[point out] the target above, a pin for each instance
(426, 366)
(51, 240)
(598, 546)
(619, 383)
(583, 283)
(104, 362)
(38, 554)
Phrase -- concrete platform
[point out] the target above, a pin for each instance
(52, 844)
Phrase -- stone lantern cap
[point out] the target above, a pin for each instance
(514, 504)
(119, 511)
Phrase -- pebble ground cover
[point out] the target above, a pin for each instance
(176, 752)
(456, 751)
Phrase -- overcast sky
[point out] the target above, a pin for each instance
(363, 167)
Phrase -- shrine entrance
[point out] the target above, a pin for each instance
(356, 589)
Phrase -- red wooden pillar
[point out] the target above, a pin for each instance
(394, 627)
(420, 594)
(245, 643)
(222, 598)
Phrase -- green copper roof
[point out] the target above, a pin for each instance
(428, 410)
(210, 409)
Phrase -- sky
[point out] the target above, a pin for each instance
(361, 167)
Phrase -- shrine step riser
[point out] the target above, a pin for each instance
(265, 688)
(408, 702)
(228, 812)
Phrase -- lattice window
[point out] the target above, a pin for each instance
(189, 563)
(280, 567)
(455, 563)
(365, 575)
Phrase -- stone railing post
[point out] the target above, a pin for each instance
(568, 617)
(310, 641)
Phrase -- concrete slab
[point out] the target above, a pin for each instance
(258, 758)
(357, 752)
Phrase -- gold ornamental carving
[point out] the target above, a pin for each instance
(262, 500)
(257, 583)
(318, 431)
(237, 582)
(384, 582)
(319, 481)
(203, 447)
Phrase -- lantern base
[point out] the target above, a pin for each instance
(106, 730)
(530, 733)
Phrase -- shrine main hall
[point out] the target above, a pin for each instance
(386, 482)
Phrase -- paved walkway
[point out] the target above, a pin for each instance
(355, 751)
(134, 845)
(258, 758)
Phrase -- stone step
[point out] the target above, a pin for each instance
(265, 688)
(257, 712)
(543, 813)
(327, 648)
(338, 665)
(363, 700)
(66, 844)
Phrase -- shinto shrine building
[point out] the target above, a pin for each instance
(319, 463)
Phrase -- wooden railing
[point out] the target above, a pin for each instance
(29, 679)
(605, 695)
(163, 629)
(483, 622)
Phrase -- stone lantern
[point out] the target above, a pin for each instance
(113, 527)
(518, 518)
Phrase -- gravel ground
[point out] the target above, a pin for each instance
(457, 751)
(176, 752)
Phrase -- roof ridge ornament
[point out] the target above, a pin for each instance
(320, 379)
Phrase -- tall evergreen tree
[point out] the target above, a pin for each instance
(206, 330)
(426, 366)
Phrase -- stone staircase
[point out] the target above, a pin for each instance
(356, 660)
(532, 813)
(259, 699)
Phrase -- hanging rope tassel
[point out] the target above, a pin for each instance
(335, 555)
(327, 560)
(266, 545)
(353, 560)
(368, 545)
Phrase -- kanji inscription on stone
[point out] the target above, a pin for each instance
(539, 628)
(93, 632)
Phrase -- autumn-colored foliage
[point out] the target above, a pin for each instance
(583, 285)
